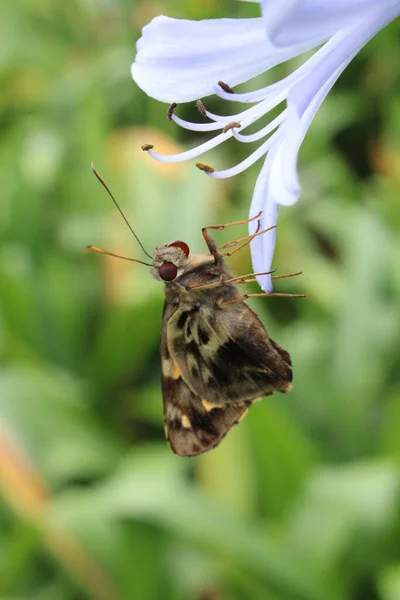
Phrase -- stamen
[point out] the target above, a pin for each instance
(204, 167)
(170, 110)
(229, 125)
(182, 156)
(250, 160)
(258, 135)
(250, 115)
(201, 108)
(261, 93)
(230, 118)
(232, 125)
(196, 126)
(225, 87)
(261, 109)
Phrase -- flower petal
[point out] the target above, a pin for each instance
(179, 60)
(277, 14)
(291, 21)
(263, 246)
(306, 97)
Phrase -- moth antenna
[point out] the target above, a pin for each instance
(103, 183)
(101, 251)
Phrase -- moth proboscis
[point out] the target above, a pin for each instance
(216, 356)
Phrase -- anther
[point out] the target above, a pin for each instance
(147, 147)
(201, 108)
(170, 110)
(232, 125)
(225, 87)
(204, 167)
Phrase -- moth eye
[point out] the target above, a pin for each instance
(168, 271)
(181, 245)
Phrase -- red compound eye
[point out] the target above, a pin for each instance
(168, 271)
(181, 245)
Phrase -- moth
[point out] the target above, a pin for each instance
(216, 356)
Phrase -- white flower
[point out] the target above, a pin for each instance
(180, 61)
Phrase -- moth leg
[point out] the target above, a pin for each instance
(287, 275)
(220, 301)
(201, 285)
(211, 244)
(245, 278)
(247, 241)
(249, 278)
(235, 242)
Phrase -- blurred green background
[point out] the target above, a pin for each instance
(301, 501)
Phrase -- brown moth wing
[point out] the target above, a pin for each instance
(225, 355)
(192, 425)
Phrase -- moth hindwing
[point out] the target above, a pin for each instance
(216, 356)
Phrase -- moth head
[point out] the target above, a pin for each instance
(170, 261)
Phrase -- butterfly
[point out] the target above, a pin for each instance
(216, 356)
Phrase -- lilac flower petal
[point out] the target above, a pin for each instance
(306, 97)
(294, 21)
(263, 246)
(277, 13)
(179, 60)
(272, 90)
(283, 185)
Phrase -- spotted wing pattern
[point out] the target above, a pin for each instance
(225, 355)
(210, 377)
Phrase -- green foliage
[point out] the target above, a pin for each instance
(301, 501)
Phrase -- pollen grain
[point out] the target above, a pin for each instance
(170, 110)
(204, 167)
(233, 125)
(201, 108)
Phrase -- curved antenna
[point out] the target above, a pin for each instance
(103, 183)
(101, 251)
